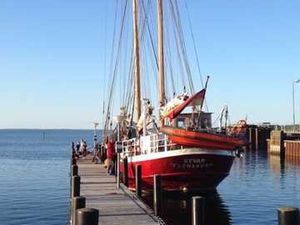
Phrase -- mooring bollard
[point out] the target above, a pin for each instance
(77, 203)
(73, 161)
(75, 186)
(197, 210)
(73, 153)
(87, 216)
(125, 171)
(138, 180)
(157, 195)
(74, 171)
(72, 150)
(288, 216)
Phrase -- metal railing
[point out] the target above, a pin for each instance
(148, 144)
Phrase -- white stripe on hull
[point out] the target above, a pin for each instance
(180, 152)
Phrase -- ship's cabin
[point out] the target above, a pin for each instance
(192, 121)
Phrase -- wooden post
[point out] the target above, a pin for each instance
(257, 138)
(125, 171)
(250, 138)
(74, 171)
(77, 203)
(282, 149)
(267, 132)
(262, 138)
(117, 170)
(288, 216)
(75, 186)
(157, 195)
(197, 210)
(138, 180)
(72, 150)
(73, 161)
(87, 216)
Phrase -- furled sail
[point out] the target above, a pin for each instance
(179, 103)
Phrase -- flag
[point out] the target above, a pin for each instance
(195, 100)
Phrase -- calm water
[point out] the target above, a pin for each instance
(34, 182)
(34, 186)
(256, 187)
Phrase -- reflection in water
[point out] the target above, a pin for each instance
(277, 164)
(293, 161)
(284, 167)
(177, 208)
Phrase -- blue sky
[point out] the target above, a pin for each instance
(52, 55)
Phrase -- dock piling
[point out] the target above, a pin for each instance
(75, 186)
(77, 203)
(87, 216)
(125, 171)
(138, 180)
(73, 161)
(288, 216)
(157, 195)
(74, 171)
(197, 210)
(257, 140)
(252, 138)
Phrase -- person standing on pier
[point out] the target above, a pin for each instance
(77, 146)
(111, 156)
(96, 157)
(83, 148)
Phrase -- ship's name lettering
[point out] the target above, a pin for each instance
(194, 161)
(192, 164)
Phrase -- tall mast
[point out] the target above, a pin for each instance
(136, 47)
(160, 40)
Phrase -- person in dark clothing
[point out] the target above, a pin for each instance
(77, 147)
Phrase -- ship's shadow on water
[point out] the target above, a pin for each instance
(177, 208)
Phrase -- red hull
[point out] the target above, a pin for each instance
(191, 169)
(202, 139)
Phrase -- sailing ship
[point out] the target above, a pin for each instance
(181, 146)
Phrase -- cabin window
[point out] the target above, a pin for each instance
(180, 124)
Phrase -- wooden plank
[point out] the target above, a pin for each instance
(115, 206)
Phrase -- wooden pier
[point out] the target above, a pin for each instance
(116, 206)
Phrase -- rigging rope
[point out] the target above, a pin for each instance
(149, 33)
(184, 51)
(178, 26)
(179, 55)
(110, 102)
(195, 49)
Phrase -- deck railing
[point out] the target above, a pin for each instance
(147, 144)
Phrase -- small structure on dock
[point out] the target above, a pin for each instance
(284, 144)
(258, 136)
